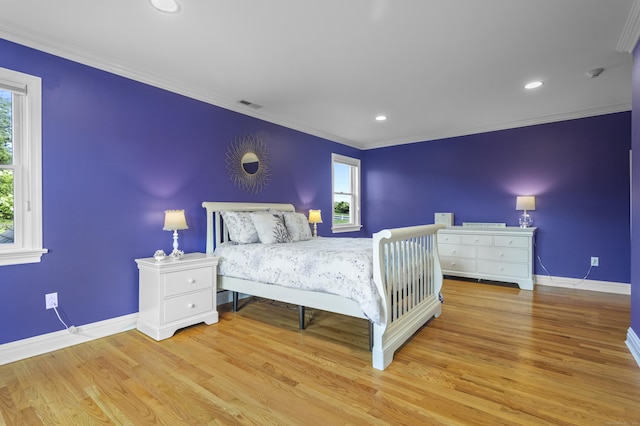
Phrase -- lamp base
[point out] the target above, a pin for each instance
(525, 220)
(177, 254)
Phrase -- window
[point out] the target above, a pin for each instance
(345, 181)
(20, 168)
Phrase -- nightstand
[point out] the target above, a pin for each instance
(176, 293)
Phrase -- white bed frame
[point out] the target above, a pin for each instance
(409, 285)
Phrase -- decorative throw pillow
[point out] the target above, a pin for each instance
(240, 227)
(298, 226)
(270, 227)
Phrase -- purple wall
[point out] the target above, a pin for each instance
(578, 170)
(635, 197)
(116, 154)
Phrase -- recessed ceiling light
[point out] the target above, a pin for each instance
(168, 6)
(533, 85)
(381, 117)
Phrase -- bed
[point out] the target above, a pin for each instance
(404, 272)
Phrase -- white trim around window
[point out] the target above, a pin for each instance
(345, 187)
(27, 167)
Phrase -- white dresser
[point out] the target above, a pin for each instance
(495, 254)
(176, 293)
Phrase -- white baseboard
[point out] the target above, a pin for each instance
(38, 345)
(633, 343)
(21, 349)
(578, 284)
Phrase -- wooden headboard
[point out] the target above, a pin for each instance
(216, 232)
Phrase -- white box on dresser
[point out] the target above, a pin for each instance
(176, 293)
(497, 254)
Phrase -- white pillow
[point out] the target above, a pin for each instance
(240, 227)
(298, 226)
(271, 228)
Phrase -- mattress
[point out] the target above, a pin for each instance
(340, 266)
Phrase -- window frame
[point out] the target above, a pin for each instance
(27, 166)
(355, 223)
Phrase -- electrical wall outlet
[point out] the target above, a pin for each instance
(51, 300)
(595, 261)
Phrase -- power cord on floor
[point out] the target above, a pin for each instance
(549, 274)
(71, 329)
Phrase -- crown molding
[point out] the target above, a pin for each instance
(39, 42)
(545, 119)
(631, 31)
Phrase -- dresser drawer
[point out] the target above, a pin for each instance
(503, 269)
(509, 241)
(478, 240)
(503, 253)
(190, 280)
(457, 264)
(177, 308)
(448, 238)
(454, 250)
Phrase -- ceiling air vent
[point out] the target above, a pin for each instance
(249, 104)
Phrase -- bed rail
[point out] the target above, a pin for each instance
(409, 281)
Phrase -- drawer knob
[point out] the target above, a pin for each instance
(191, 280)
(501, 254)
(191, 305)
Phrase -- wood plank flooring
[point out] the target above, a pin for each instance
(496, 356)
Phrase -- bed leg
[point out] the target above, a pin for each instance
(301, 317)
(370, 336)
(235, 301)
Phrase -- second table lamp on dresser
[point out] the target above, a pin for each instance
(525, 203)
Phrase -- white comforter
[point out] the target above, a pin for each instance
(342, 266)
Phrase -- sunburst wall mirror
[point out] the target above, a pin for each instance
(248, 163)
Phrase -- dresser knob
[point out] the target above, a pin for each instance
(501, 254)
(191, 281)
(191, 305)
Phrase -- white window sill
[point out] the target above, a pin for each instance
(348, 228)
(21, 256)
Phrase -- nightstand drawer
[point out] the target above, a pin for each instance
(190, 280)
(188, 305)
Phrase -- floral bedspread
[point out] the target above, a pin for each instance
(341, 266)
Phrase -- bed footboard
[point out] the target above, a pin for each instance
(408, 277)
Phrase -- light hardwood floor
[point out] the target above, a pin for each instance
(496, 356)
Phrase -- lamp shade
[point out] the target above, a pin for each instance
(315, 216)
(174, 220)
(526, 203)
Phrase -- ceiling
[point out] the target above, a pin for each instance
(436, 68)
